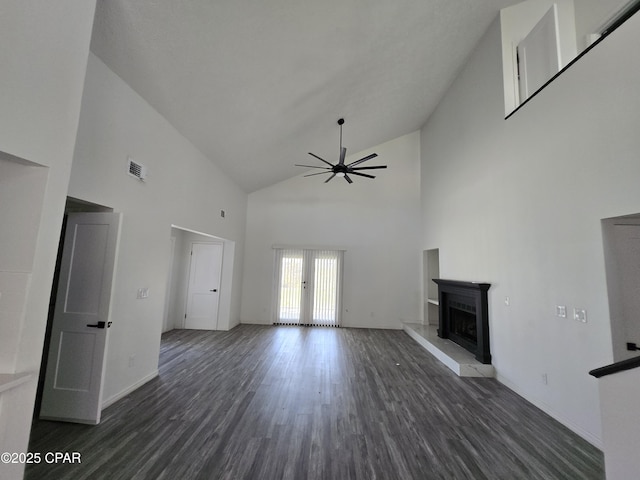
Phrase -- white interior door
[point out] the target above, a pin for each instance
(75, 367)
(538, 55)
(203, 293)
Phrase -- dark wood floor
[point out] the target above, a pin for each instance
(314, 403)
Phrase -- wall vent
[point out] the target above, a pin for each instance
(136, 169)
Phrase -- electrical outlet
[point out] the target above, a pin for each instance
(545, 379)
(143, 293)
(132, 360)
(580, 315)
(561, 311)
(507, 301)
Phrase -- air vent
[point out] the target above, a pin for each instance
(136, 169)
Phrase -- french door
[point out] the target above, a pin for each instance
(308, 287)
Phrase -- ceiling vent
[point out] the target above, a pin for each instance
(136, 169)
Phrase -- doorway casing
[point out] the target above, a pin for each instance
(175, 307)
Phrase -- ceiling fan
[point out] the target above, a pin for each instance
(340, 169)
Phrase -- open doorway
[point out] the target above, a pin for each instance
(79, 301)
(199, 282)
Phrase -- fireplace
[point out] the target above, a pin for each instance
(464, 316)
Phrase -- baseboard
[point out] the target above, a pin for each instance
(588, 436)
(377, 327)
(113, 399)
(342, 325)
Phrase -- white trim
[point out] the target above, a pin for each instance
(178, 227)
(113, 399)
(9, 381)
(612, 17)
(588, 436)
(307, 247)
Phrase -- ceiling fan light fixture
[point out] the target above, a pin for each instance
(341, 169)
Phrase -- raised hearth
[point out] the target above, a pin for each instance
(456, 358)
(464, 316)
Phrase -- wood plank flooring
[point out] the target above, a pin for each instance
(264, 402)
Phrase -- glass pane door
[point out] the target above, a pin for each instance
(325, 289)
(291, 278)
(308, 290)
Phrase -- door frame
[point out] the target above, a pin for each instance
(309, 255)
(227, 317)
(72, 205)
(618, 321)
(80, 403)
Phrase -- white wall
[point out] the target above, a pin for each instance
(43, 54)
(518, 203)
(183, 188)
(619, 394)
(375, 220)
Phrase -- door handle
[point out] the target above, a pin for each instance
(214, 290)
(100, 325)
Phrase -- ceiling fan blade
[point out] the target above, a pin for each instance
(364, 159)
(311, 166)
(327, 180)
(369, 168)
(362, 174)
(346, 177)
(321, 159)
(343, 153)
(319, 173)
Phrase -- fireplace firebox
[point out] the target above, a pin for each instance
(464, 316)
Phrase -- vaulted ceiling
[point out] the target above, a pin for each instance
(257, 85)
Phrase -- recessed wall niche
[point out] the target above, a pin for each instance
(431, 270)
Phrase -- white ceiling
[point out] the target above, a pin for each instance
(256, 85)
